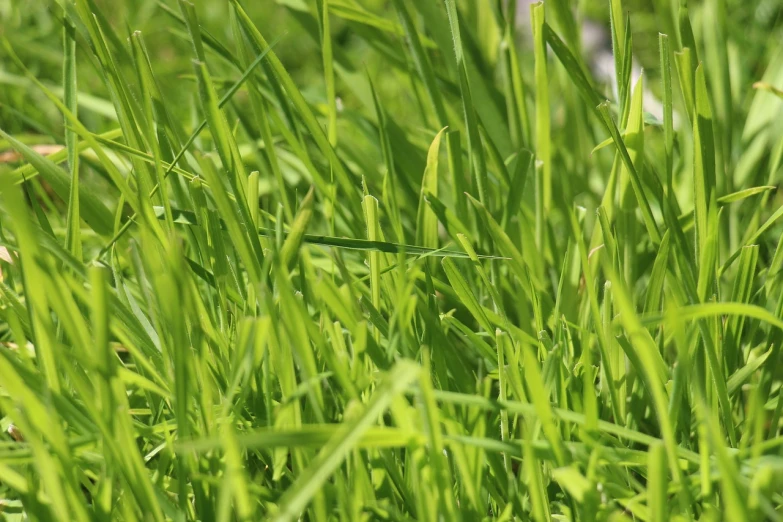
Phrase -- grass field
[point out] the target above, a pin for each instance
(391, 260)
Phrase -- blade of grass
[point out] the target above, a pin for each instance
(334, 452)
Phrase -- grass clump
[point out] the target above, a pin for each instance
(342, 260)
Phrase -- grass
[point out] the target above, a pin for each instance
(407, 260)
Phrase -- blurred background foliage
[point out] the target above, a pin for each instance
(32, 28)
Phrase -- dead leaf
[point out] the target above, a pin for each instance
(11, 156)
(15, 434)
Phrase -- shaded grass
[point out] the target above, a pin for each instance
(507, 291)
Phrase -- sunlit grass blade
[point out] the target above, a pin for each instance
(635, 181)
(475, 147)
(296, 498)
(668, 111)
(543, 138)
(703, 159)
(297, 233)
(426, 221)
(70, 95)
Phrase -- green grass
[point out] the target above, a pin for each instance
(390, 260)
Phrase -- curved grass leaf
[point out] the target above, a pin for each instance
(186, 217)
